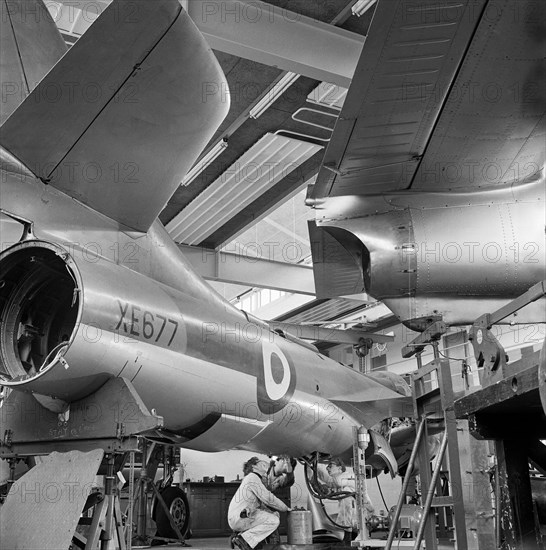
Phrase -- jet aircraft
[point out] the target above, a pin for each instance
(94, 141)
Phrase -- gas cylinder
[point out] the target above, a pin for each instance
(300, 527)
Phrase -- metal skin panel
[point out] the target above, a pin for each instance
(153, 254)
(39, 513)
(408, 62)
(131, 113)
(215, 361)
(442, 89)
(449, 254)
(30, 46)
(337, 266)
(382, 454)
(493, 124)
(460, 126)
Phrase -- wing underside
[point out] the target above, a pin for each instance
(385, 395)
(445, 96)
(369, 413)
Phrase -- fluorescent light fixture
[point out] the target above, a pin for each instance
(273, 94)
(205, 161)
(267, 162)
(362, 6)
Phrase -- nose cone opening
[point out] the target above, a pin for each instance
(39, 310)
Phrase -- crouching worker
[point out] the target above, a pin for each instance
(249, 511)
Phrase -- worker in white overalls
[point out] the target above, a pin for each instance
(251, 510)
(337, 478)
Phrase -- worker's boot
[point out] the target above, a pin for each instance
(241, 543)
(274, 538)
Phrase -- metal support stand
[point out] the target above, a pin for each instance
(489, 353)
(107, 521)
(141, 535)
(152, 454)
(430, 401)
(110, 498)
(433, 399)
(508, 410)
(131, 502)
(407, 478)
(109, 419)
(108, 422)
(361, 440)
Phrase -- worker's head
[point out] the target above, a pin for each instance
(248, 466)
(255, 465)
(284, 464)
(335, 466)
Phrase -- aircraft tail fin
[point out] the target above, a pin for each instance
(30, 45)
(137, 98)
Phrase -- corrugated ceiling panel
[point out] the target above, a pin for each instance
(327, 310)
(271, 159)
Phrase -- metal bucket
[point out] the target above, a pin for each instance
(300, 527)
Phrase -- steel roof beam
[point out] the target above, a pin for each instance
(248, 271)
(322, 334)
(278, 37)
(264, 33)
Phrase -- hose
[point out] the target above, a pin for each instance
(323, 495)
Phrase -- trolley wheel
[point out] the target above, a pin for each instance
(177, 503)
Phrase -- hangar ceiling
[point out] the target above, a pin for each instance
(240, 215)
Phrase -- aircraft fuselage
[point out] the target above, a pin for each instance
(129, 305)
(451, 256)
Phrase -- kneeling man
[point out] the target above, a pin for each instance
(250, 511)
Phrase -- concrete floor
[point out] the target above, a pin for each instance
(210, 543)
(222, 543)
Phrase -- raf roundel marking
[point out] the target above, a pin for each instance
(277, 374)
(276, 379)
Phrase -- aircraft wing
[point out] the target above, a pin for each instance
(369, 413)
(374, 403)
(121, 118)
(445, 96)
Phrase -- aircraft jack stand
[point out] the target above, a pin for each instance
(43, 507)
(150, 462)
(363, 540)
